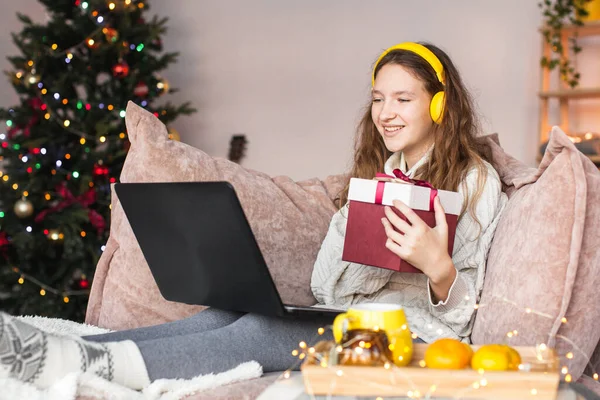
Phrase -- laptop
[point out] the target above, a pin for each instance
(201, 250)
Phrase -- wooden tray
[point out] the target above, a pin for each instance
(538, 381)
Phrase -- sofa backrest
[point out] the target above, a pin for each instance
(543, 269)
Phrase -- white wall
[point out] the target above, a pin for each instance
(294, 75)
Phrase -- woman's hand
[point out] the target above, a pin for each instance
(422, 246)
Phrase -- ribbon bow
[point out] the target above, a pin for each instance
(4, 244)
(85, 200)
(401, 177)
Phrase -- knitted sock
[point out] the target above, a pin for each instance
(40, 358)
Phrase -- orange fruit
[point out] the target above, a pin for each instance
(496, 357)
(448, 354)
(515, 359)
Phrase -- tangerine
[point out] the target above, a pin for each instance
(448, 354)
(496, 357)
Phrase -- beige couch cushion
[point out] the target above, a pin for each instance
(545, 256)
(289, 219)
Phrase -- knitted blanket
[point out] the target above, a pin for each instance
(81, 385)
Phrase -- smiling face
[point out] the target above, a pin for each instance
(400, 111)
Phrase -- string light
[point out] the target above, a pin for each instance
(44, 289)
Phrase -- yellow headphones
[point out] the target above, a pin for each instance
(436, 107)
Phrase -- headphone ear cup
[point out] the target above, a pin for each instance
(436, 107)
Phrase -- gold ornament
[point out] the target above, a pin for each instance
(23, 208)
(174, 135)
(54, 235)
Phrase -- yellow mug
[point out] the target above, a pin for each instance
(379, 316)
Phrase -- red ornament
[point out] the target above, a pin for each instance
(111, 34)
(120, 70)
(141, 90)
(84, 284)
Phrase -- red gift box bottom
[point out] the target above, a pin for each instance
(366, 237)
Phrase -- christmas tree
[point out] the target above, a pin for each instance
(66, 141)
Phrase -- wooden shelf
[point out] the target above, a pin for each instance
(591, 28)
(582, 93)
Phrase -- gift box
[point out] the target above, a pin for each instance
(365, 238)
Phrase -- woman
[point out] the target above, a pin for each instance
(420, 120)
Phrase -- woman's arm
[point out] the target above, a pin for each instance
(473, 240)
(338, 282)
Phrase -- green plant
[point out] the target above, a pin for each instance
(556, 14)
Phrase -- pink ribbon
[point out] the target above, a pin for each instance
(399, 175)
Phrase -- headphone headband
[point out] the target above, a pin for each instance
(420, 50)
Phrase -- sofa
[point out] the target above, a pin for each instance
(542, 275)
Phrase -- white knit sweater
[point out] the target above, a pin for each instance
(338, 283)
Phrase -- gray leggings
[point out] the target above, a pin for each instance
(216, 341)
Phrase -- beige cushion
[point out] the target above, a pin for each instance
(289, 219)
(545, 255)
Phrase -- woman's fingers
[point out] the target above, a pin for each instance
(391, 233)
(396, 221)
(410, 215)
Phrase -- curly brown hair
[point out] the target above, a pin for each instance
(456, 150)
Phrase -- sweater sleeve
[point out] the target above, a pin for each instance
(469, 257)
(338, 282)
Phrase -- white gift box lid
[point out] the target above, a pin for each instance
(416, 197)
